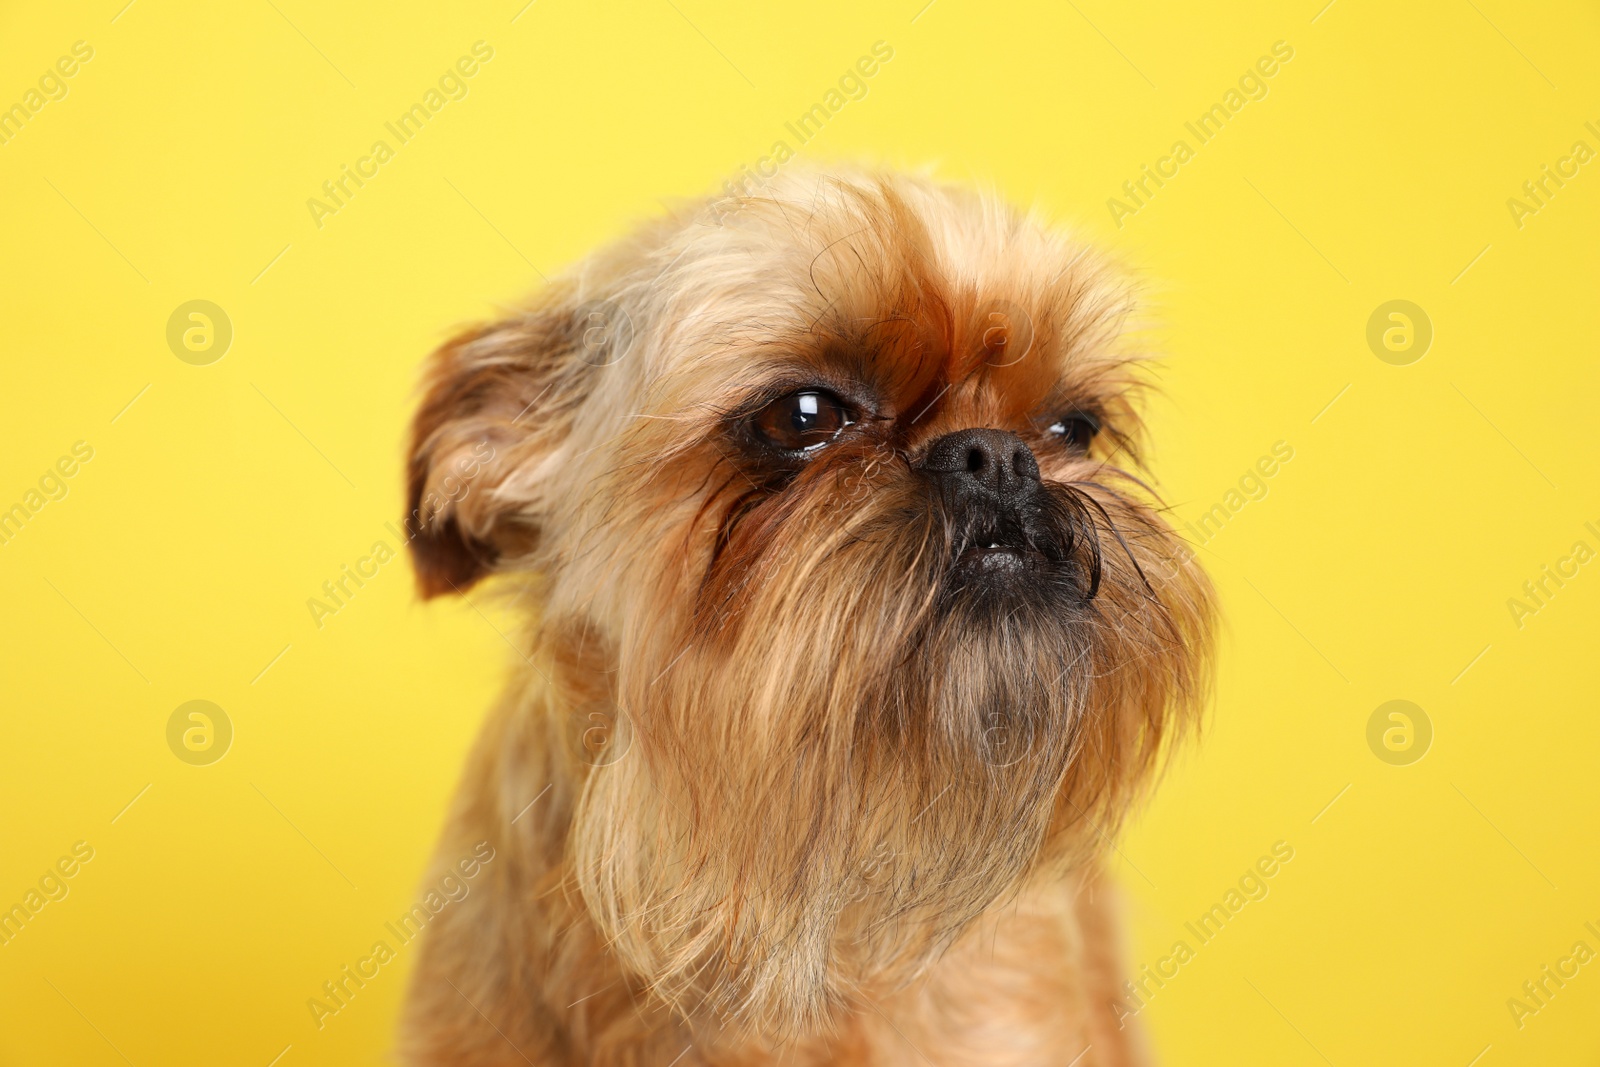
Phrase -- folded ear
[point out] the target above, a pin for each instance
(498, 405)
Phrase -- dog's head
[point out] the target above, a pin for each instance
(826, 498)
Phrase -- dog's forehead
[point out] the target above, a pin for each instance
(917, 293)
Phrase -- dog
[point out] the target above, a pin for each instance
(853, 635)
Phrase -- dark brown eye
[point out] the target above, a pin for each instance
(1076, 430)
(802, 421)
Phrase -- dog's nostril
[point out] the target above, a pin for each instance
(1019, 463)
(975, 460)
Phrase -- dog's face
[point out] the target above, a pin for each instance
(825, 500)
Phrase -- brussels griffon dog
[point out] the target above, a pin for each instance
(854, 634)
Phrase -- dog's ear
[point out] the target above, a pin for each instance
(497, 408)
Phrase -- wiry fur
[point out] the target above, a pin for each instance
(797, 787)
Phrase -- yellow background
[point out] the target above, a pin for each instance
(1378, 567)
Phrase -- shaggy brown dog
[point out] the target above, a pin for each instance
(853, 639)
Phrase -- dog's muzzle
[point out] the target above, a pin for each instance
(989, 483)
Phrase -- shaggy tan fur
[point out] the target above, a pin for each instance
(771, 786)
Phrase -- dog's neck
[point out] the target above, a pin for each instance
(1024, 977)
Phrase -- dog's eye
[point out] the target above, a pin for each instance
(1076, 430)
(802, 421)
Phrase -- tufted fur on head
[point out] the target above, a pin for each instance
(795, 742)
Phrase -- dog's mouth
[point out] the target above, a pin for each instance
(1004, 548)
(1052, 545)
(997, 557)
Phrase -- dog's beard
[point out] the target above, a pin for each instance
(848, 740)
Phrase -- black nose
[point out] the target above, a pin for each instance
(994, 462)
